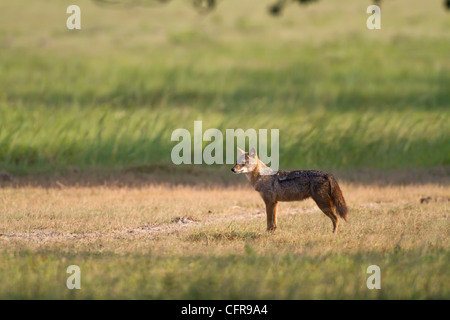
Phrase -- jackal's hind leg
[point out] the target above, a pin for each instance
(326, 205)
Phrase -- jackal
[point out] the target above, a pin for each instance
(275, 186)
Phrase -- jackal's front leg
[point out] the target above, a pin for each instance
(271, 210)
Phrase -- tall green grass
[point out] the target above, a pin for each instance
(405, 275)
(377, 101)
(89, 115)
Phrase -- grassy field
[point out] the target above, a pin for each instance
(85, 124)
(111, 94)
(166, 242)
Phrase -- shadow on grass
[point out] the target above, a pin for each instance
(207, 177)
(358, 98)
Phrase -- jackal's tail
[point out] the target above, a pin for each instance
(337, 197)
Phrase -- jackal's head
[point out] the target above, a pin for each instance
(246, 161)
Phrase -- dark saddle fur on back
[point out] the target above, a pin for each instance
(283, 175)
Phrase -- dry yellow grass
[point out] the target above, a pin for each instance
(191, 220)
(167, 241)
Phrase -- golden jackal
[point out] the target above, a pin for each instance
(296, 185)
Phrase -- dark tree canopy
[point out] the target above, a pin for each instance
(205, 6)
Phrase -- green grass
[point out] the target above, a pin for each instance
(362, 100)
(404, 275)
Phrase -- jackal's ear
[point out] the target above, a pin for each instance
(240, 151)
(252, 153)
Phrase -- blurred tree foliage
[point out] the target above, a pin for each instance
(205, 6)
